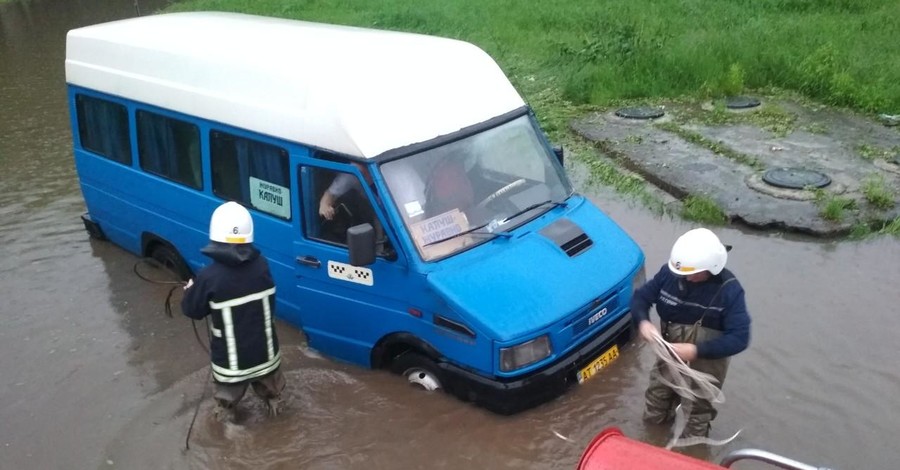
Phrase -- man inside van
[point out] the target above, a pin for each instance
(345, 184)
(238, 294)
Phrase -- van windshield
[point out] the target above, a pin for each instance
(468, 191)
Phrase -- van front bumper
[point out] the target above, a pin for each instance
(511, 396)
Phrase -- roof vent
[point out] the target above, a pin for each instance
(568, 237)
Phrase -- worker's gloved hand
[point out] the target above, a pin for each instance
(189, 283)
(648, 330)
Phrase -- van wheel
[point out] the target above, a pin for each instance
(171, 260)
(418, 370)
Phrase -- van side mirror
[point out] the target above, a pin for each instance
(361, 241)
(558, 151)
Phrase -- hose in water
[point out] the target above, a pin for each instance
(168, 310)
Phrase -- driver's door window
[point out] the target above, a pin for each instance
(340, 202)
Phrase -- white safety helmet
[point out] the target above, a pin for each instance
(696, 251)
(231, 223)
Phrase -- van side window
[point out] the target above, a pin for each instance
(351, 206)
(169, 148)
(251, 172)
(103, 128)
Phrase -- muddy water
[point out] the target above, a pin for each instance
(94, 375)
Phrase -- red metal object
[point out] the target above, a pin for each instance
(611, 450)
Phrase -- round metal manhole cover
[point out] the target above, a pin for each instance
(646, 112)
(741, 102)
(796, 178)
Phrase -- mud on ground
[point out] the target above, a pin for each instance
(727, 154)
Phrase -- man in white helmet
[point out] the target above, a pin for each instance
(237, 293)
(702, 313)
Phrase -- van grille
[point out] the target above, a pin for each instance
(599, 312)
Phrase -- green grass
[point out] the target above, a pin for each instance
(703, 209)
(831, 206)
(877, 193)
(841, 52)
(873, 152)
(716, 147)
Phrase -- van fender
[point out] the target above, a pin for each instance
(395, 344)
(160, 249)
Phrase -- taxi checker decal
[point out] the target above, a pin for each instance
(350, 273)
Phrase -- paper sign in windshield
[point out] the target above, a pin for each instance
(270, 197)
(439, 227)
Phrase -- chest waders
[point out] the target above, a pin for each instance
(660, 400)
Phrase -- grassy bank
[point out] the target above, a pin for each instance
(569, 56)
(841, 52)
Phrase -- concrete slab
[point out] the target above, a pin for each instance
(726, 162)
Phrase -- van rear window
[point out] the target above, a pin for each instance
(251, 172)
(103, 128)
(169, 148)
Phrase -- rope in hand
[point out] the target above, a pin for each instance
(689, 384)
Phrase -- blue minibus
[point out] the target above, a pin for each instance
(413, 213)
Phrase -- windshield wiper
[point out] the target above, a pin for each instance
(532, 207)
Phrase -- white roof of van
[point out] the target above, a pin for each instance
(356, 91)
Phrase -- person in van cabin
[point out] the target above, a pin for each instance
(347, 183)
(702, 313)
(448, 187)
(237, 294)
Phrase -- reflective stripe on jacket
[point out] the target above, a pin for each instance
(236, 294)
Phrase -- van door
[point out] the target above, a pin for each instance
(346, 309)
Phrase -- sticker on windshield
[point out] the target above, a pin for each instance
(439, 227)
(270, 197)
(413, 209)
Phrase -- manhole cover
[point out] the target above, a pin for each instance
(640, 113)
(796, 178)
(741, 102)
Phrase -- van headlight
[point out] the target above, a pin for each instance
(524, 354)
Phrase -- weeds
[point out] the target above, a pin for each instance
(831, 206)
(872, 152)
(716, 147)
(703, 209)
(877, 193)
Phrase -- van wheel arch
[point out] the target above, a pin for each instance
(392, 346)
(159, 249)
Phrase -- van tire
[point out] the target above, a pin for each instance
(169, 258)
(418, 370)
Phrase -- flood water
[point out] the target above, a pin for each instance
(95, 375)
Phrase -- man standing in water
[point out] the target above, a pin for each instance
(702, 314)
(237, 293)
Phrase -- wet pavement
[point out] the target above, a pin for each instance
(729, 163)
(95, 375)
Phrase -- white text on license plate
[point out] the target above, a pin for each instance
(604, 360)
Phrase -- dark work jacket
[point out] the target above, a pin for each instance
(719, 303)
(238, 294)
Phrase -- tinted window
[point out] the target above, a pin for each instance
(103, 128)
(169, 148)
(252, 172)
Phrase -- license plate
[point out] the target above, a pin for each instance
(594, 367)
